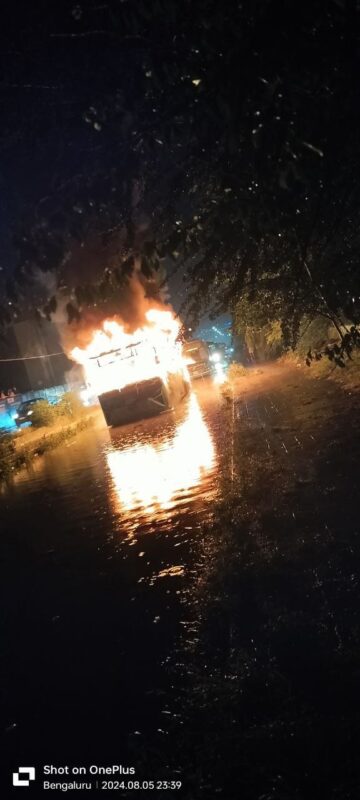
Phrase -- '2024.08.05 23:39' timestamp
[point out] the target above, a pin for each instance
(139, 785)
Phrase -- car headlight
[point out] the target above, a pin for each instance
(215, 357)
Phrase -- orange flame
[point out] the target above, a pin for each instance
(115, 358)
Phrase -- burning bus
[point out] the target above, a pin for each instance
(138, 374)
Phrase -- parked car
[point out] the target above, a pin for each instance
(25, 411)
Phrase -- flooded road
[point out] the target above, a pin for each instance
(148, 624)
(101, 541)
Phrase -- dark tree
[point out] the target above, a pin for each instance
(222, 136)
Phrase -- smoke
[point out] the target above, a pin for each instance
(129, 310)
(128, 306)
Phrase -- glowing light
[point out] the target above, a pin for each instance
(86, 397)
(220, 375)
(151, 476)
(115, 358)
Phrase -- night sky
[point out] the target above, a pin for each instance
(49, 81)
(72, 74)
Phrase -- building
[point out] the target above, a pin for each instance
(31, 356)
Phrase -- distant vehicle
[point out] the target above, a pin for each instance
(220, 353)
(198, 358)
(25, 411)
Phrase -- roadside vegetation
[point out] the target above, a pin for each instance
(328, 348)
(46, 414)
(52, 425)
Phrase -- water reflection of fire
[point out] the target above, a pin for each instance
(115, 358)
(148, 477)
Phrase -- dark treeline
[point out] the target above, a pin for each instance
(223, 138)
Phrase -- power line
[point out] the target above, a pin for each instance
(30, 358)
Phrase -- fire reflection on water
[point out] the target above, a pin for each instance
(149, 478)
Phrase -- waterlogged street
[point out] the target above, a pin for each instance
(102, 540)
(183, 593)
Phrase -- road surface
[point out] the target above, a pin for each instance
(100, 542)
(145, 626)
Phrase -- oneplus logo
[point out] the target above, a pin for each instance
(23, 776)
